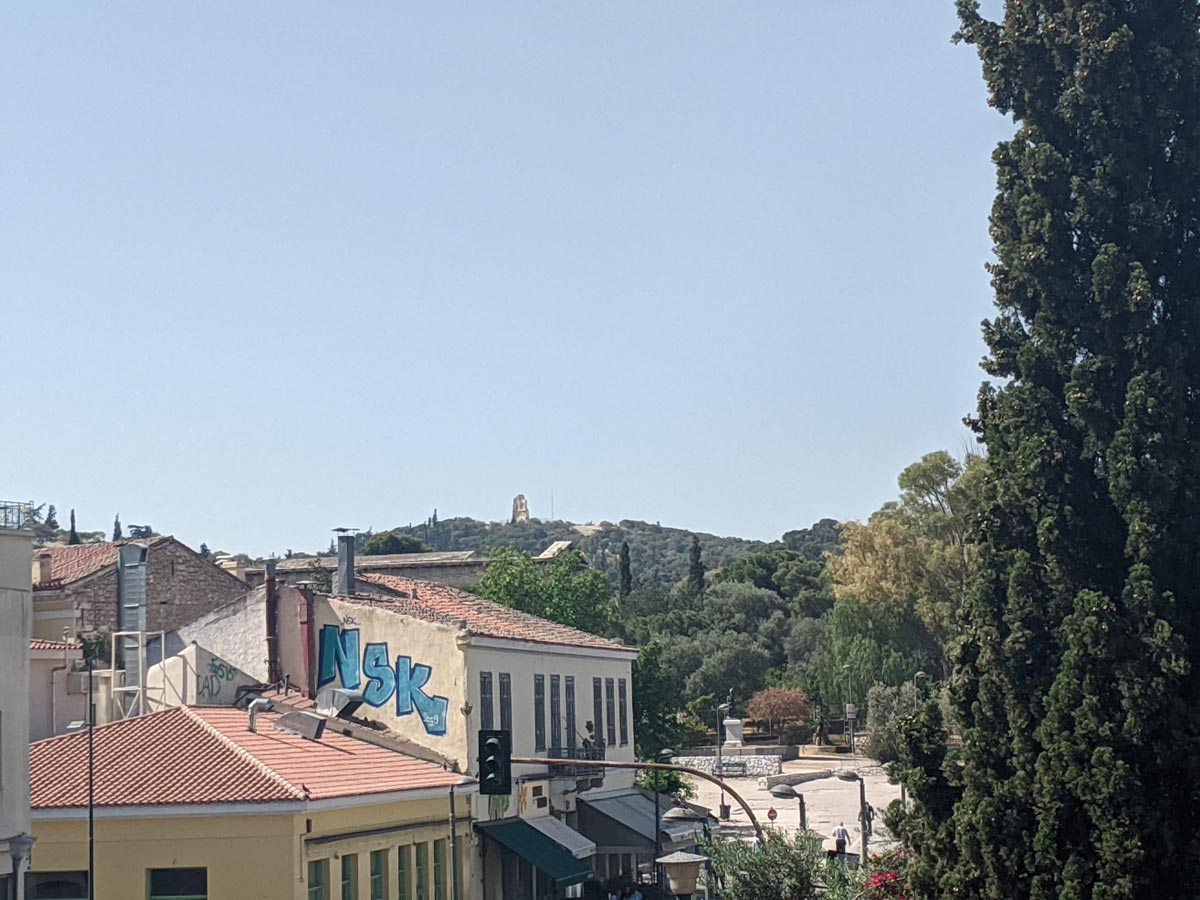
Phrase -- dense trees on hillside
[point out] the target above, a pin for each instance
(1076, 676)
(391, 542)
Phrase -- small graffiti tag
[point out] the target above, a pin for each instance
(339, 657)
(211, 685)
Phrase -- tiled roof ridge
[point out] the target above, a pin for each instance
(246, 755)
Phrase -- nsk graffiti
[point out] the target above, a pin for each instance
(338, 658)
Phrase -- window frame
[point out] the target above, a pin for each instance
(348, 863)
(556, 712)
(439, 869)
(378, 876)
(404, 871)
(539, 713)
(320, 884)
(569, 690)
(623, 710)
(505, 701)
(598, 708)
(487, 704)
(421, 854)
(155, 896)
(610, 703)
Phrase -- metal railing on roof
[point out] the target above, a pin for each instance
(584, 755)
(16, 515)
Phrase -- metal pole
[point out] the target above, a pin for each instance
(862, 815)
(720, 767)
(91, 784)
(657, 828)
(453, 848)
(803, 815)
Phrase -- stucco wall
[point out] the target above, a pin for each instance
(16, 623)
(195, 677)
(427, 711)
(51, 706)
(236, 632)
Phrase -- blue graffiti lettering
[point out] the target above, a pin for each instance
(381, 680)
(338, 649)
(338, 658)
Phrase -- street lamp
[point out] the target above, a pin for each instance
(864, 825)
(683, 871)
(19, 846)
(663, 755)
(848, 722)
(787, 792)
(723, 708)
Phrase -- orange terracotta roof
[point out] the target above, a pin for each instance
(72, 562)
(445, 605)
(40, 644)
(186, 755)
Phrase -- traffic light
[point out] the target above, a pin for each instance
(495, 762)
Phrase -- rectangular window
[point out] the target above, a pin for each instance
(55, 886)
(555, 712)
(486, 713)
(539, 712)
(349, 876)
(623, 713)
(570, 689)
(422, 853)
(318, 879)
(439, 870)
(177, 884)
(597, 732)
(506, 701)
(612, 711)
(404, 854)
(379, 875)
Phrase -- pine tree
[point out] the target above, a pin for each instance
(626, 574)
(117, 528)
(1080, 759)
(52, 518)
(73, 536)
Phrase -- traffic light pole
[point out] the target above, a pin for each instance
(687, 770)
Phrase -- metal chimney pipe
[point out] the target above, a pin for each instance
(255, 705)
(344, 584)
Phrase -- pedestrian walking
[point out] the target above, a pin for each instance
(840, 837)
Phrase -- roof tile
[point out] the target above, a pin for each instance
(207, 755)
(72, 562)
(445, 605)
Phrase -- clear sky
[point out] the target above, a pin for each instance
(267, 269)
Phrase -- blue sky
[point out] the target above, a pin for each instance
(271, 269)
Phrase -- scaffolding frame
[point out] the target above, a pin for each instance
(131, 699)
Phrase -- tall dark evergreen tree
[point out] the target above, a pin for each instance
(1076, 680)
(117, 528)
(73, 535)
(626, 573)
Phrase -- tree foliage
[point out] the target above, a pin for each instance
(73, 536)
(562, 589)
(625, 577)
(1078, 773)
(775, 705)
(780, 868)
(392, 542)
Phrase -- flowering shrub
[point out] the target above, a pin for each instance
(885, 886)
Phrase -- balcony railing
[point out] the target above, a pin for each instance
(579, 768)
(15, 515)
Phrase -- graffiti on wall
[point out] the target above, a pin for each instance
(339, 658)
(218, 684)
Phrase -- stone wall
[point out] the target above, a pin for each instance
(756, 766)
(182, 586)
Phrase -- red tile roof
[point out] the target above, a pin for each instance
(75, 561)
(41, 644)
(445, 605)
(206, 755)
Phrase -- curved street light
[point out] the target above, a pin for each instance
(864, 827)
(787, 792)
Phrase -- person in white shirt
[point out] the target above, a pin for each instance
(841, 837)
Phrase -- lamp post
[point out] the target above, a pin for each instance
(664, 754)
(19, 846)
(787, 792)
(723, 708)
(864, 826)
(916, 697)
(849, 723)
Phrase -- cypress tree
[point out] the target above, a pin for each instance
(1079, 768)
(626, 572)
(695, 576)
(117, 528)
(73, 535)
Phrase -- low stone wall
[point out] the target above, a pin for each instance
(784, 751)
(755, 766)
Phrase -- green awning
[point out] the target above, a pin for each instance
(547, 856)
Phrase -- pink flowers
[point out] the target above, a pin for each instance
(884, 886)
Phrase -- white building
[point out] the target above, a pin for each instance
(16, 624)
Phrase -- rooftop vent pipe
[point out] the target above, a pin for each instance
(344, 585)
(255, 705)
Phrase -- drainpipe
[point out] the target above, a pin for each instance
(307, 635)
(66, 665)
(272, 591)
(255, 705)
(454, 873)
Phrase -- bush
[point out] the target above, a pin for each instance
(799, 733)
(889, 707)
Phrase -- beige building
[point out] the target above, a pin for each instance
(16, 623)
(225, 804)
